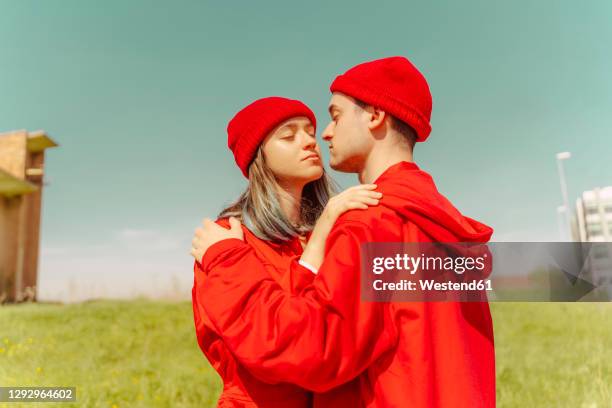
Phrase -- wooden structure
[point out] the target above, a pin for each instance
(22, 156)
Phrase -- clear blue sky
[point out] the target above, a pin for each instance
(138, 94)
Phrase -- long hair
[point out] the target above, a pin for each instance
(258, 207)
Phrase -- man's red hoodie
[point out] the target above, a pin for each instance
(411, 354)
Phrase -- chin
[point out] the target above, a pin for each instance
(312, 174)
(344, 166)
(333, 162)
(337, 165)
(317, 174)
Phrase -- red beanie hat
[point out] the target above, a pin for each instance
(249, 127)
(394, 85)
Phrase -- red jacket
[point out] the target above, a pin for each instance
(404, 354)
(240, 387)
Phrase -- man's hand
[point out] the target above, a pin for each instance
(210, 233)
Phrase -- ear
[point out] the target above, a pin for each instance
(377, 118)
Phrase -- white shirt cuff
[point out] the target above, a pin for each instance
(308, 266)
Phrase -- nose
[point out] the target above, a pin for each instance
(328, 132)
(309, 141)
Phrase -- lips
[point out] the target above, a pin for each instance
(311, 156)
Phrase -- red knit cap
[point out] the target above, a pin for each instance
(394, 85)
(249, 127)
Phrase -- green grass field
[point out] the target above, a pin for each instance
(144, 354)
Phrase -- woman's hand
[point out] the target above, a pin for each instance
(354, 198)
(210, 233)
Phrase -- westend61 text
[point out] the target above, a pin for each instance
(430, 284)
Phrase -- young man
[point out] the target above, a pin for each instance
(413, 354)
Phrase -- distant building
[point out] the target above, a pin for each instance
(22, 156)
(593, 223)
(594, 216)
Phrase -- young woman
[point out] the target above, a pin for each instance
(287, 212)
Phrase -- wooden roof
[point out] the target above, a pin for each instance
(39, 141)
(13, 186)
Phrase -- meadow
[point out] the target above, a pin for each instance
(144, 353)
